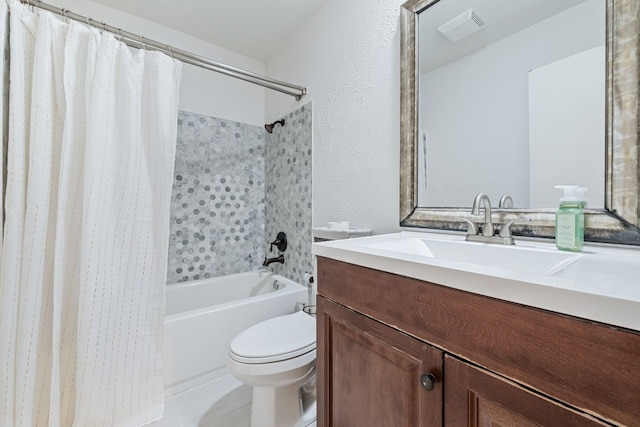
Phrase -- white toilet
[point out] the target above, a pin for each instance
(277, 357)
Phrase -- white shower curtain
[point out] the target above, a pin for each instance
(92, 132)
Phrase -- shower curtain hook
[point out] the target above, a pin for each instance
(170, 49)
(103, 27)
(144, 45)
(88, 20)
(119, 31)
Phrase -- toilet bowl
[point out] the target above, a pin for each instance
(277, 357)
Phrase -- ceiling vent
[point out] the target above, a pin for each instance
(461, 26)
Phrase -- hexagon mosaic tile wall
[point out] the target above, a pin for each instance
(217, 207)
(233, 182)
(288, 192)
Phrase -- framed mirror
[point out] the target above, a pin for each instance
(484, 109)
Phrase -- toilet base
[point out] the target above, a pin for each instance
(280, 407)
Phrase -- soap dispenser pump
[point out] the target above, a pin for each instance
(570, 218)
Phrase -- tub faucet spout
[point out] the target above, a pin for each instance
(279, 259)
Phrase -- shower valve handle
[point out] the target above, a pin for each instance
(280, 242)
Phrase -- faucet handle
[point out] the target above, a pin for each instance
(505, 231)
(471, 229)
(280, 242)
(505, 202)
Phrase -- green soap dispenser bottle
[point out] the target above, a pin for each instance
(570, 218)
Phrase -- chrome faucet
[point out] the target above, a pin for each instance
(487, 228)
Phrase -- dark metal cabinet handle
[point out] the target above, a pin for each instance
(428, 381)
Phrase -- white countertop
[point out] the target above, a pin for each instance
(600, 283)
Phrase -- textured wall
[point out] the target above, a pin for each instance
(288, 192)
(217, 206)
(348, 56)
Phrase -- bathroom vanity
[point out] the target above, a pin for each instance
(412, 337)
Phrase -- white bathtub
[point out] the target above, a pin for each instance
(202, 317)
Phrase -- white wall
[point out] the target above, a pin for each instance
(347, 56)
(201, 91)
(567, 127)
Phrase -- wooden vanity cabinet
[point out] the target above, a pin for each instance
(477, 398)
(494, 363)
(370, 374)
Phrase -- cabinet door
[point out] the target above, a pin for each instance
(476, 397)
(369, 375)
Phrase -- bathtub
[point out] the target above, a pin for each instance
(202, 317)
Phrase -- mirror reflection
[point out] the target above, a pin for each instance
(511, 101)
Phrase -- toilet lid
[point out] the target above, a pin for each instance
(279, 338)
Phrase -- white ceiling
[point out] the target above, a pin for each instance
(502, 19)
(254, 28)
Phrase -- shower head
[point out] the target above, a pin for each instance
(270, 127)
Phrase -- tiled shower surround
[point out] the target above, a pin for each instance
(217, 224)
(217, 205)
(288, 195)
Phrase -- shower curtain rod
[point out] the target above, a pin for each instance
(140, 42)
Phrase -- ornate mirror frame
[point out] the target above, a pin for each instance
(619, 221)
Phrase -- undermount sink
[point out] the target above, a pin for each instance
(515, 258)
